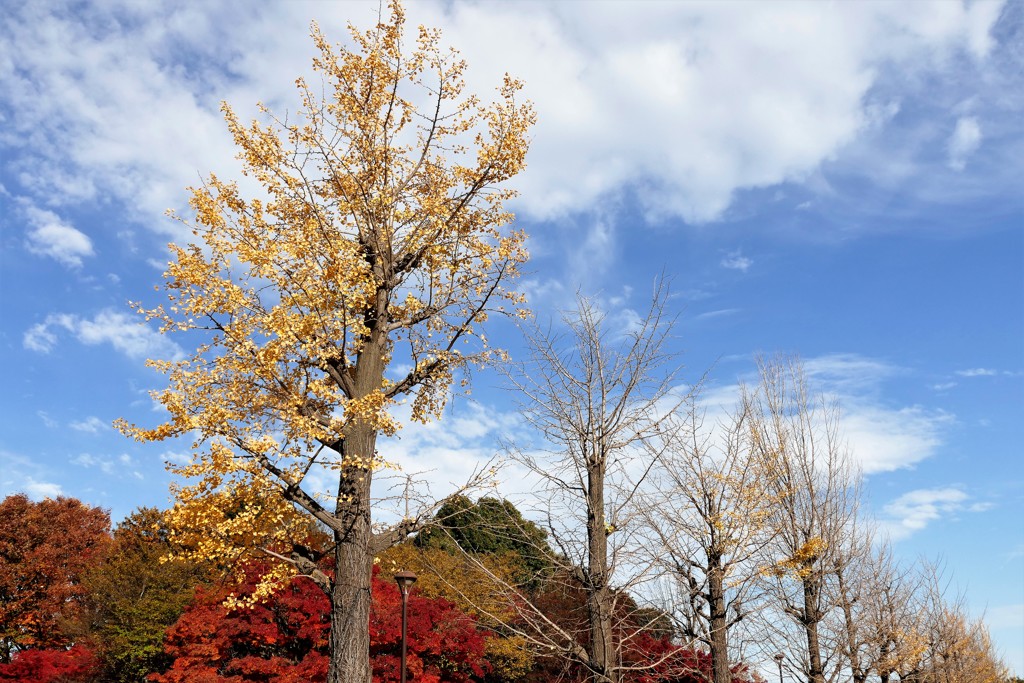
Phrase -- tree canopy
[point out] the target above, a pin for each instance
(377, 237)
(46, 549)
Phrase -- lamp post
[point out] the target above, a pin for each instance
(405, 580)
(778, 660)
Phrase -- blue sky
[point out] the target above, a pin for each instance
(841, 181)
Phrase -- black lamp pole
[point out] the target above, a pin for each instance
(405, 580)
(778, 660)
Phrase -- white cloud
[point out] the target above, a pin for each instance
(22, 474)
(848, 373)
(47, 420)
(37, 490)
(943, 386)
(977, 372)
(719, 313)
(736, 261)
(126, 333)
(48, 235)
(915, 510)
(106, 465)
(882, 437)
(91, 424)
(964, 142)
(682, 103)
(443, 455)
(39, 338)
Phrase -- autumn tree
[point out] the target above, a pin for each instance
(889, 614)
(379, 241)
(815, 489)
(877, 614)
(707, 513)
(46, 549)
(950, 646)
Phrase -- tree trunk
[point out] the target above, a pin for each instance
(599, 598)
(719, 637)
(353, 556)
(858, 672)
(815, 673)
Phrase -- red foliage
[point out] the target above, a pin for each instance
(77, 665)
(444, 643)
(46, 549)
(284, 639)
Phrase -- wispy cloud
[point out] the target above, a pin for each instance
(720, 313)
(915, 510)
(126, 333)
(882, 437)
(48, 421)
(122, 466)
(21, 474)
(48, 235)
(737, 261)
(848, 372)
(1006, 616)
(977, 372)
(106, 465)
(91, 425)
(964, 142)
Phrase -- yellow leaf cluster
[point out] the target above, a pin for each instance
(378, 239)
(802, 562)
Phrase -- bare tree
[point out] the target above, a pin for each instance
(863, 572)
(708, 515)
(816, 489)
(594, 398)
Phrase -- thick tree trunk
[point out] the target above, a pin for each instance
(719, 638)
(353, 555)
(599, 597)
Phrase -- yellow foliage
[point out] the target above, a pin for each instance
(802, 562)
(475, 588)
(380, 234)
(510, 656)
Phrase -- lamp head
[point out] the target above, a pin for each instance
(405, 580)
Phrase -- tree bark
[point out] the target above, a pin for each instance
(599, 598)
(812, 618)
(717, 621)
(353, 556)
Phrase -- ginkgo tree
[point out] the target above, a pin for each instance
(378, 240)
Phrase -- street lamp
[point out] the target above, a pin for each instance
(405, 580)
(778, 660)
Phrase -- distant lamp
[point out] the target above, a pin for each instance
(405, 580)
(778, 660)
